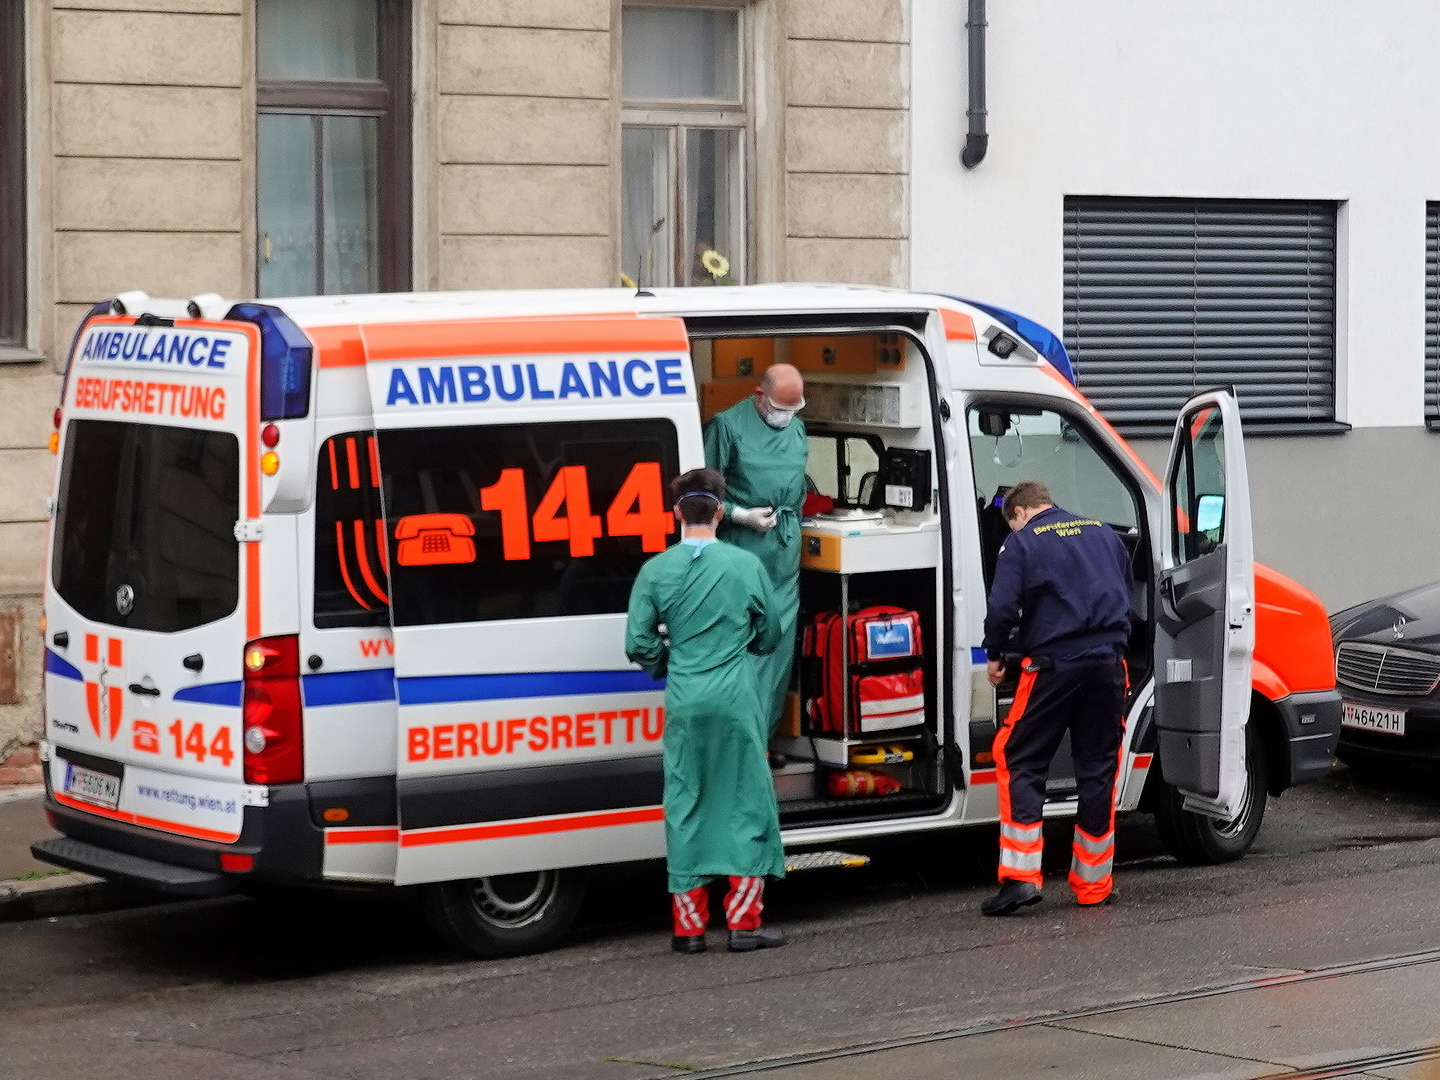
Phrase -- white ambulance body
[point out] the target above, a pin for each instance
(336, 586)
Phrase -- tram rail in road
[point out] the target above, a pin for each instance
(1324, 1072)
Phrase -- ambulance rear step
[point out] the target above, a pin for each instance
(130, 869)
(797, 861)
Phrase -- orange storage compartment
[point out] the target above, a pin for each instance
(718, 396)
(741, 358)
(852, 354)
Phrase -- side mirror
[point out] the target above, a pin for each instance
(994, 424)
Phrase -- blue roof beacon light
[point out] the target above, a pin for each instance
(1040, 339)
(285, 361)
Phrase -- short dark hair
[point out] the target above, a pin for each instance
(1027, 494)
(698, 483)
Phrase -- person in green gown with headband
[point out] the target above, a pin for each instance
(759, 447)
(699, 612)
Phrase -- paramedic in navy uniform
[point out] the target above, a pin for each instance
(1064, 583)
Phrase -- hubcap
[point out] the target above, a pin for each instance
(511, 901)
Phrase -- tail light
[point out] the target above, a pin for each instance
(273, 736)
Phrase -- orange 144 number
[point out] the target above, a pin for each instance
(638, 509)
(187, 742)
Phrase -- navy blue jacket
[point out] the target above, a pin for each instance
(1065, 582)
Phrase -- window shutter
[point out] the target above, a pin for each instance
(1432, 315)
(1166, 297)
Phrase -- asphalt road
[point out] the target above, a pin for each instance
(355, 985)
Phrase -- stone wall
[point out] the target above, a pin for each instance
(527, 139)
(847, 140)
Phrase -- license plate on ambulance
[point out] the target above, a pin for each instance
(92, 786)
(1390, 721)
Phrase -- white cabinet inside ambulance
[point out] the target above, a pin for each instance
(336, 588)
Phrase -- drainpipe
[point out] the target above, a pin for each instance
(976, 140)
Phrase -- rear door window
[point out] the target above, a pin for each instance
(351, 552)
(524, 521)
(145, 525)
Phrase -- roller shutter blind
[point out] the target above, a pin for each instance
(1165, 297)
(1432, 315)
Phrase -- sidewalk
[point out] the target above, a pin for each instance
(31, 889)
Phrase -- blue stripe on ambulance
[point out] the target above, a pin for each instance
(349, 687)
(978, 656)
(215, 693)
(438, 689)
(58, 665)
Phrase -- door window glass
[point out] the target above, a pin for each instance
(145, 528)
(1009, 444)
(524, 521)
(351, 550)
(1197, 512)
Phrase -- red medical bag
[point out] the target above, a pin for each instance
(887, 688)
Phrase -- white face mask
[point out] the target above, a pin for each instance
(779, 418)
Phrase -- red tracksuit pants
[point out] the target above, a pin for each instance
(743, 904)
(1086, 698)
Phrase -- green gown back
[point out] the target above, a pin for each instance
(720, 813)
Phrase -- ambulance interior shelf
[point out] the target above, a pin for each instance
(862, 741)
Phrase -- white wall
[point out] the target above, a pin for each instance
(1304, 99)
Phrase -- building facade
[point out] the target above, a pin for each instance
(281, 147)
(1206, 194)
(1234, 193)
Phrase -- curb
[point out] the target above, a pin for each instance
(66, 894)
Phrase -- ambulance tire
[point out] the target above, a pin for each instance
(507, 915)
(1197, 840)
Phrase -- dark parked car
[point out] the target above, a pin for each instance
(1387, 664)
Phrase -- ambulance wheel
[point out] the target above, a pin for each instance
(506, 915)
(1197, 840)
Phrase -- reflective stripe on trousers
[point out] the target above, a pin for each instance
(1021, 849)
(1021, 844)
(1091, 859)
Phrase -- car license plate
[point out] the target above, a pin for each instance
(1390, 721)
(99, 788)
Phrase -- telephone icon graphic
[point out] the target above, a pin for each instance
(434, 540)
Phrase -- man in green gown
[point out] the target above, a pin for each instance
(759, 447)
(698, 612)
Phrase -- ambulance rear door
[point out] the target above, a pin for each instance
(152, 594)
(524, 466)
(1205, 634)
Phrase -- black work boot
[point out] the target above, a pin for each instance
(762, 937)
(688, 943)
(1013, 895)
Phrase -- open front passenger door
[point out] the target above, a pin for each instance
(1205, 638)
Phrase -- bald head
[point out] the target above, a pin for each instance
(783, 385)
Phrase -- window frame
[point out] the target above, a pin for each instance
(13, 178)
(386, 98)
(679, 116)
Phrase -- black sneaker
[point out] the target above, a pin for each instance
(762, 937)
(689, 943)
(1013, 895)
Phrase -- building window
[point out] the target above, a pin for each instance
(12, 177)
(684, 144)
(1167, 297)
(1432, 316)
(333, 168)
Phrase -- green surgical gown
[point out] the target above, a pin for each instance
(765, 466)
(720, 812)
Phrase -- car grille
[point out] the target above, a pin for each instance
(1386, 671)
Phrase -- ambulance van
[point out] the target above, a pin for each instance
(336, 588)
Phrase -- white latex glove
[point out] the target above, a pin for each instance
(760, 518)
